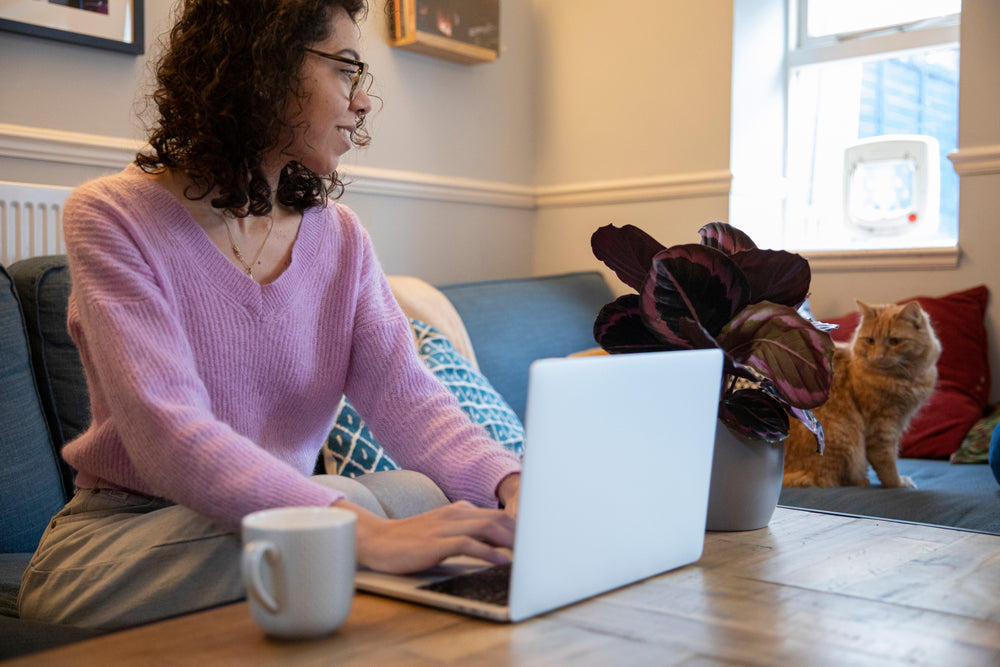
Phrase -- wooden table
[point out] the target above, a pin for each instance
(810, 589)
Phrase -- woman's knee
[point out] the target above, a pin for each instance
(403, 493)
(353, 491)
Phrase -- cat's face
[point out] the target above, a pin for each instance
(894, 338)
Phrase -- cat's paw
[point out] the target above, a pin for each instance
(906, 483)
(797, 479)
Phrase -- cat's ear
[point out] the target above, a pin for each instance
(914, 313)
(867, 312)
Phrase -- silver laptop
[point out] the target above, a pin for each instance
(614, 489)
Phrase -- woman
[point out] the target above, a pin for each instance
(222, 306)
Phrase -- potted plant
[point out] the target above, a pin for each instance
(726, 293)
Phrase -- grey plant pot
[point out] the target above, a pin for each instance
(746, 481)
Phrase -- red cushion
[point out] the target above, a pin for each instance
(963, 388)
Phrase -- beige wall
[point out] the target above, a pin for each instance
(630, 96)
(440, 119)
(625, 93)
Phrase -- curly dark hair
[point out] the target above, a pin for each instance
(222, 84)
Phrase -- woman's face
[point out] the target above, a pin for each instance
(324, 116)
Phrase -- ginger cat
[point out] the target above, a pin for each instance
(880, 380)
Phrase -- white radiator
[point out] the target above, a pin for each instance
(30, 220)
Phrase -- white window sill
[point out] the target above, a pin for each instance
(897, 259)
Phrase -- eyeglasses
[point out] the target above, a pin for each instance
(359, 78)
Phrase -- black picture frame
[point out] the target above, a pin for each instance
(75, 25)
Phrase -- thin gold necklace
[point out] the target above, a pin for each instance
(248, 267)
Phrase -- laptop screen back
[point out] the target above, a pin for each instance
(640, 430)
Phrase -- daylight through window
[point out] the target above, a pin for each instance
(872, 114)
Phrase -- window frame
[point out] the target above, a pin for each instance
(937, 31)
(803, 50)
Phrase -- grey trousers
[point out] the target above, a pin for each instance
(112, 559)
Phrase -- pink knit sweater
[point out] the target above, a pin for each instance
(216, 392)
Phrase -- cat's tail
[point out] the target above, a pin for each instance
(798, 478)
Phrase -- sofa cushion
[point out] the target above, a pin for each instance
(352, 450)
(511, 323)
(31, 481)
(43, 286)
(474, 393)
(11, 568)
(963, 497)
(963, 387)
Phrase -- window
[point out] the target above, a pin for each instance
(871, 116)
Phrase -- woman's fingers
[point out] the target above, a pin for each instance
(477, 549)
(493, 526)
(419, 542)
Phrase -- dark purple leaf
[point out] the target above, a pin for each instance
(619, 328)
(754, 414)
(807, 417)
(627, 251)
(725, 238)
(775, 275)
(779, 344)
(724, 292)
(691, 292)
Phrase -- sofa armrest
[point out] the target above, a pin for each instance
(422, 301)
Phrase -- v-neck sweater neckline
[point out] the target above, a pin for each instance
(209, 260)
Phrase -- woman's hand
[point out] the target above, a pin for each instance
(407, 545)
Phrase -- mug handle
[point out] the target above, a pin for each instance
(253, 554)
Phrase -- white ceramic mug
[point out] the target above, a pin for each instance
(298, 569)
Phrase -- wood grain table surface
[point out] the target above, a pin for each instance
(810, 589)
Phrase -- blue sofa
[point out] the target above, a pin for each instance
(510, 323)
(34, 481)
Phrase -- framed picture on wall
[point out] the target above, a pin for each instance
(462, 31)
(105, 24)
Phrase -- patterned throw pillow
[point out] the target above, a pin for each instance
(352, 450)
(976, 445)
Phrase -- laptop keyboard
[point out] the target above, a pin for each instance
(490, 585)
